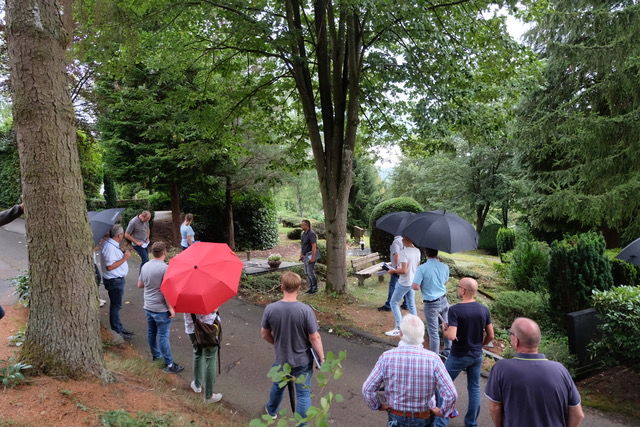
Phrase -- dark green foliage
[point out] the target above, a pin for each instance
(365, 193)
(11, 373)
(320, 229)
(577, 266)
(511, 304)
(255, 222)
(624, 273)
(579, 128)
(505, 241)
(487, 238)
(321, 246)
(110, 196)
(295, 234)
(159, 201)
(556, 347)
(619, 312)
(90, 155)
(23, 288)
(379, 240)
(9, 169)
(121, 418)
(254, 219)
(528, 265)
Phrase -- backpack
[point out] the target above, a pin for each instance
(207, 336)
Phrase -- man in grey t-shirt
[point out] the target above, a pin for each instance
(159, 312)
(137, 233)
(292, 328)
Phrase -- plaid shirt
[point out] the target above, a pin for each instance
(411, 376)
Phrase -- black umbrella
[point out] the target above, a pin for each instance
(102, 221)
(394, 222)
(444, 231)
(631, 253)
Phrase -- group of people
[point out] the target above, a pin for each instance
(528, 390)
(159, 312)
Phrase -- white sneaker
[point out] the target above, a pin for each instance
(102, 302)
(273, 417)
(215, 397)
(194, 388)
(393, 333)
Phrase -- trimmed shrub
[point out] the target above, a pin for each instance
(577, 266)
(320, 229)
(528, 264)
(556, 347)
(295, 234)
(9, 168)
(505, 241)
(255, 223)
(110, 195)
(291, 221)
(379, 240)
(511, 304)
(321, 246)
(487, 238)
(619, 312)
(624, 273)
(160, 201)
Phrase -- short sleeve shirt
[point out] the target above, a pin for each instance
(307, 240)
(432, 276)
(412, 257)
(396, 246)
(151, 275)
(471, 319)
(138, 229)
(186, 230)
(110, 254)
(290, 323)
(533, 391)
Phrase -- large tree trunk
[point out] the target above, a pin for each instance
(63, 333)
(338, 56)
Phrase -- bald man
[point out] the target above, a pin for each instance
(530, 390)
(469, 328)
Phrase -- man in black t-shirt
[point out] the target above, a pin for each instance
(309, 254)
(469, 328)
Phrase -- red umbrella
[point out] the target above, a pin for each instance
(202, 277)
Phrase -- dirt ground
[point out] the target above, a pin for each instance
(59, 402)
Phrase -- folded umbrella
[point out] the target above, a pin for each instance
(201, 278)
(631, 253)
(394, 222)
(444, 231)
(102, 221)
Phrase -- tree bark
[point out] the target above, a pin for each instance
(228, 209)
(63, 332)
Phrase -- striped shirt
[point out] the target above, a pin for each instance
(411, 376)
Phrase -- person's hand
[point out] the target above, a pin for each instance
(436, 412)
(415, 286)
(301, 256)
(384, 407)
(312, 260)
(445, 326)
(126, 255)
(172, 313)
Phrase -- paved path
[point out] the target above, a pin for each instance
(246, 358)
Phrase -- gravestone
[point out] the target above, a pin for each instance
(582, 330)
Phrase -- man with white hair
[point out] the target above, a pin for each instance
(411, 375)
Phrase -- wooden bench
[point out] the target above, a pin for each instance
(367, 266)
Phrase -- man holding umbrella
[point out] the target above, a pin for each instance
(431, 278)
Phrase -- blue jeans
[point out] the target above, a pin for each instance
(204, 366)
(309, 270)
(473, 365)
(431, 311)
(144, 254)
(158, 330)
(410, 298)
(393, 280)
(400, 421)
(115, 288)
(303, 391)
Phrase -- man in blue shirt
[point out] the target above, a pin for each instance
(431, 278)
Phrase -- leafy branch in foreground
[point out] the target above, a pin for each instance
(319, 415)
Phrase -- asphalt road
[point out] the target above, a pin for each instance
(246, 358)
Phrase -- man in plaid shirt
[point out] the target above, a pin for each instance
(411, 375)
